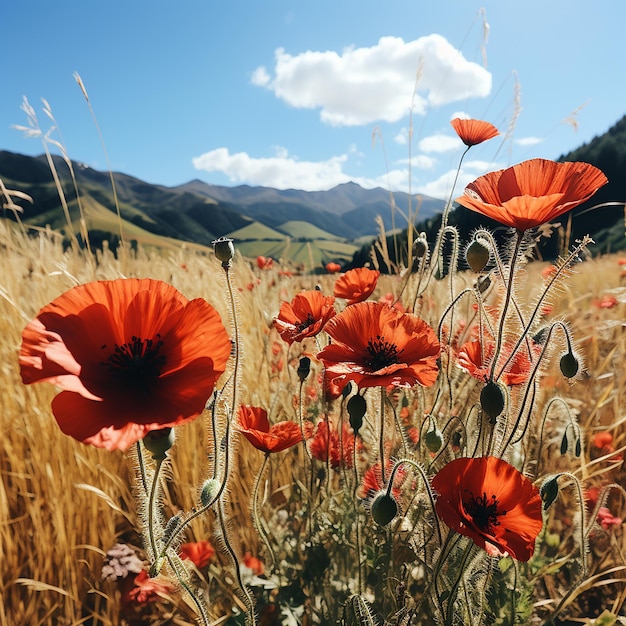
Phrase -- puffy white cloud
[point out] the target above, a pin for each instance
(527, 141)
(440, 143)
(280, 171)
(362, 85)
(260, 77)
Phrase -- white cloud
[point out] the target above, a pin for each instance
(442, 186)
(402, 137)
(363, 85)
(260, 77)
(439, 143)
(420, 161)
(528, 141)
(281, 171)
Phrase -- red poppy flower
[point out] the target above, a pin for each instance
(338, 452)
(304, 316)
(475, 358)
(254, 564)
(264, 263)
(357, 284)
(390, 300)
(372, 482)
(144, 589)
(131, 356)
(473, 132)
(255, 427)
(333, 387)
(198, 552)
(607, 520)
(533, 192)
(491, 502)
(333, 268)
(376, 346)
(608, 301)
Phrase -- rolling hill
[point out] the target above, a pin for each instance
(298, 225)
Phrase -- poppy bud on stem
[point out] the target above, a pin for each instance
(158, 442)
(356, 409)
(492, 400)
(304, 368)
(477, 255)
(224, 251)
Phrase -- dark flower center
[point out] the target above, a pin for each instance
(310, 320)
(484, 511)
(381, 353)
(136, 363)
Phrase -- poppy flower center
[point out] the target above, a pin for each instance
(484, 511)
(306, 322)
(138, 362)
(381, 353)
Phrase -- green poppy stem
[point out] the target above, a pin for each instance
(381, 441)
(256, 518)
(507, 300)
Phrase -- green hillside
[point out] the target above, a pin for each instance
(303, 230)
(256, 231)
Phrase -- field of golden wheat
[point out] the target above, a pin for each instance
(64, 504)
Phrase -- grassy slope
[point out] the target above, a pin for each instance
(55, 528)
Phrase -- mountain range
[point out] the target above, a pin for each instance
(308, 227)
(311, 228)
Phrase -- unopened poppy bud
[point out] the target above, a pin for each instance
(457, 439)
(578, 447)
(384, 508)
(564, 443)
(158, 442)
(541, 335)
(433, 439)
(304, 368)
(549, 491)
(209, 491)
(492, 400)
(172, 524)
(569, 365)
(356, 409)
(224, 250)
(477, 255)
(420, 247)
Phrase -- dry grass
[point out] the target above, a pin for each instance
(63, 504)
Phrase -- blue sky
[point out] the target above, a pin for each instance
(309, 95)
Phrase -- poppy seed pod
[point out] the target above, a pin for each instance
(477, 255)
(492, 400)
(356, 409)
(569, 365)
(158, 442)
(224, 250)
(384, 509)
